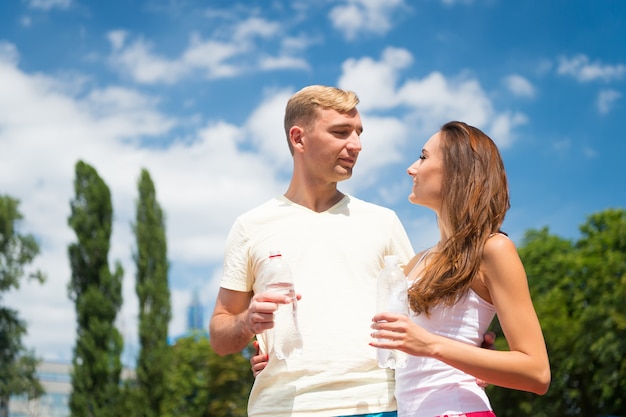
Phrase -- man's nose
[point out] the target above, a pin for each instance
(355, 143)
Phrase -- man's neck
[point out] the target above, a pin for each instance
(318, 200)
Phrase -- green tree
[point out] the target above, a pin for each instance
(17, 365)
(97, 294)
(154, 299)
(578, 290)
(203, 384)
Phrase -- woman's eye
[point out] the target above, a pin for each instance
(422, 157)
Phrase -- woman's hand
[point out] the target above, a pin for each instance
(259, 361)
(397, 331)
(261, 313)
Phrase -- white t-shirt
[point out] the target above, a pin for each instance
(335, 257)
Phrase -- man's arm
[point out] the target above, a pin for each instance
(238, 316)
(228, 329)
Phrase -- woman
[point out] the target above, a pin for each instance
(457, 286)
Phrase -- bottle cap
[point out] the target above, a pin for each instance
(391, 260)
(275, 253)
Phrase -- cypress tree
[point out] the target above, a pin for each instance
(154, 299)
(97, 294)
(17, 364)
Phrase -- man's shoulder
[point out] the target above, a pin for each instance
(261, 209)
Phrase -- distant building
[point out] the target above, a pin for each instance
(195, 321)
(56, 381)
(55, 377)
(195, 313)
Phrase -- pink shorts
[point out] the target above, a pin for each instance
(474, 414)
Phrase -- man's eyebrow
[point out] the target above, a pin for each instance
(341, 125)
(359, 129)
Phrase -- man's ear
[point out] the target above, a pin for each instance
(296, 135)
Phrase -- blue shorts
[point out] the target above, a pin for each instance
(385, 414)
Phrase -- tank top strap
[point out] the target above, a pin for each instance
(499, 233)
(419, 261)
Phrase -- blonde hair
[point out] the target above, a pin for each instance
(475, 199)
(302, 106)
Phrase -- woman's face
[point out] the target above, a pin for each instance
(427, 173)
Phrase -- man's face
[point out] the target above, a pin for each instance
(332, 144)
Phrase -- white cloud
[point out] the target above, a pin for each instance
(124, 113)
(355, 17)
(137, 61)
(606, 100)
(265, 129)
(295, 44)
(519, 86)
(211, 57)
(26, 21)
(502, 127)
(282, 62)
(383, 139)
(202, 182)
(254, 27)
(423, 231)
(8, 53)
(590, 153)
(428, 102)
(49, 4)
(452, 2)
(374, 81)
(436, 100)
(562, 146)
(565, 147)
(215, 58)
(583, 70)
(544, 66)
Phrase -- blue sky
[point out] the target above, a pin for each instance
(194, 91)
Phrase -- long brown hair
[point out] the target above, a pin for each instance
(475, 199)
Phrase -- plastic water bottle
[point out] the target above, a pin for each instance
(287, 340)
(392, 297)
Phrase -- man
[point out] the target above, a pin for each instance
(335, 245)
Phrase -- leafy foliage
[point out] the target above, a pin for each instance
(97, 294)
(17, 251)
(203, 384)
(579, 290)
(154, 299)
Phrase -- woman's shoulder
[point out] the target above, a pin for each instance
(500, 257)
(498, 244)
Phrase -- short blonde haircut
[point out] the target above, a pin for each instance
(302, 106)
